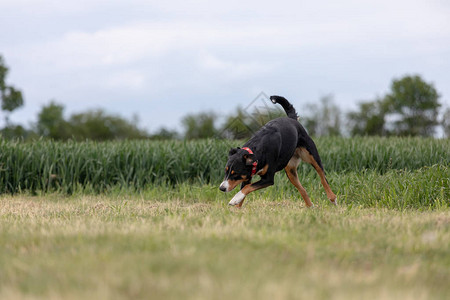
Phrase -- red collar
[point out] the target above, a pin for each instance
(255, 163)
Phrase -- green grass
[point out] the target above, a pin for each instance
(422, 189)
(70, 167)
(165, 247)
(133, 220)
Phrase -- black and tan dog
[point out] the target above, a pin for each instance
(280, 144)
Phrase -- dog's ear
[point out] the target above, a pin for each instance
(233, 151)
(249, 159)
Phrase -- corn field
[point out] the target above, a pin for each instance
(45, 166)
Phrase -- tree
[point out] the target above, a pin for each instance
(446, 122)
(242, 124)
(236, 126)
(164, 134)
(17, 131)
(324, 118)
(413, 106)
(93, 125)
(51, 122)
(10, 96)
(98, 125)
(199, 126)
(410, 108)
(369, 120)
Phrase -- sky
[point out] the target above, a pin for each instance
(161, 60)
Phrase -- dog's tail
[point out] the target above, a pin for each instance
(288, 108)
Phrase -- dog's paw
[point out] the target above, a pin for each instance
(237, 199)
(334, 201)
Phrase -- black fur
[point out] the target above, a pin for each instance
(273, 145)
(288, 108)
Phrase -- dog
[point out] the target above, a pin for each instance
(280, 144)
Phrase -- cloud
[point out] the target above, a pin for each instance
(103, 50)
(216, 45)
(129, 79)
(272, 29)
(233, 69)
(80, 50)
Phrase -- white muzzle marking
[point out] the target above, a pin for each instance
(238, 198)
(225, 185)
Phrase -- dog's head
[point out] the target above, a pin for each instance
(238, 168)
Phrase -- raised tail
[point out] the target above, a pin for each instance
(288, 108)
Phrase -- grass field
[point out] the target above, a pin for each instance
(140, 220)
(98, 167)
(130, 247)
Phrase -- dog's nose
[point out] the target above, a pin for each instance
(224, 186)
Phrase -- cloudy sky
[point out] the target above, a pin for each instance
(163, 59)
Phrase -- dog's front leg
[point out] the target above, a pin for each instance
(238, 199)
(239, 205)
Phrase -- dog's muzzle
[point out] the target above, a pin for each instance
(224, 186)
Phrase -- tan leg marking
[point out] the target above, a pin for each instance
(263, 171)
(307, 157)
(248, 189)
(291, 173)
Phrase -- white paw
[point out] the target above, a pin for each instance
(238, 198)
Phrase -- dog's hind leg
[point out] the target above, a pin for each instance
(306, 156)
(293, 177)
(291, 172)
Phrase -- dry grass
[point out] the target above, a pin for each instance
(129, 247)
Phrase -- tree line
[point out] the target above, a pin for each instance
(410, 108)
